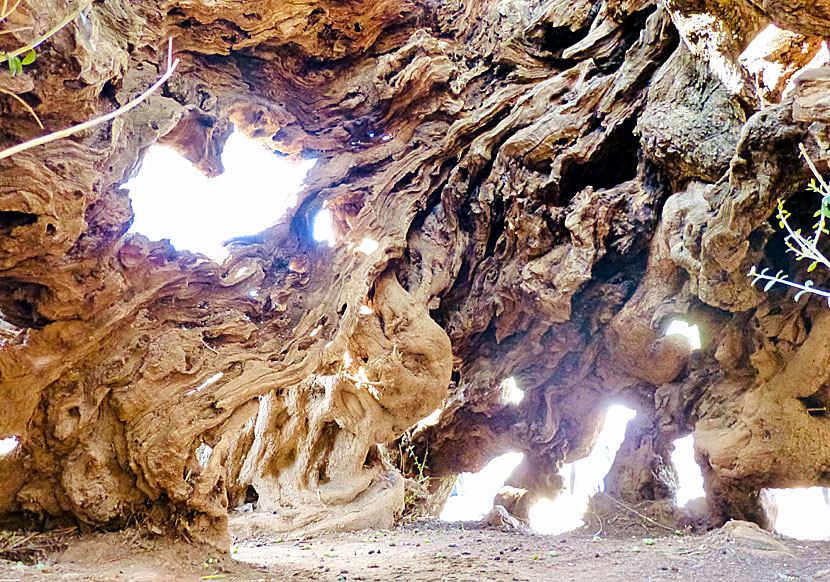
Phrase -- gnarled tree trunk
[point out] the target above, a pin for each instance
(549, 183)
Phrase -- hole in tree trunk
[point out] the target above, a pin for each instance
(173, 200)
(689, 475)
(583, 478)
(11, 219)
(816, 403)
(473, 493)
(251, 495)
(803, 513)
(8, 445)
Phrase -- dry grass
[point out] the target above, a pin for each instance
(32, 547)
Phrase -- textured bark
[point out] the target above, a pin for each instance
(549, 183)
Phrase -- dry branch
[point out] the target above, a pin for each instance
(24, 104)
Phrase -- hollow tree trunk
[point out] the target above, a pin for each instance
(548, 183)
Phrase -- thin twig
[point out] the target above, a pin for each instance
(24, 104)
(208, 347)
(8, 56)
(4, 14)
(599, 519)
(171, 66)
(634, 511)
(13, 30)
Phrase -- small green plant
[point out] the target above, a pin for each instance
(412, 464)
(804, 247)
(16, 63)
(419, 464)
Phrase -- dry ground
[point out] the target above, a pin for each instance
(427, 550)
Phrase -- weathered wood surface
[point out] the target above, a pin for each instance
(549, 183)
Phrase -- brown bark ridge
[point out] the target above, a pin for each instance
(549, 184)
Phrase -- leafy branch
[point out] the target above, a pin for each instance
(807, 287)
(804, 247)
(15, 61)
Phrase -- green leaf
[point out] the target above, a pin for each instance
(769, 284)
(29, 58)
(812, 267)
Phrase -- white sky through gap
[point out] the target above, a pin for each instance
(691, 332)
(172, 199)
(689, 475)
(474, 493)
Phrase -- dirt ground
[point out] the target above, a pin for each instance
(427, 550)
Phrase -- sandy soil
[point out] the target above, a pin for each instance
(427, 550)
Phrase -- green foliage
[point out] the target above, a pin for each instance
(16, 63)
(419, 464)
(804, 247)
(408, 457)
(412, 464)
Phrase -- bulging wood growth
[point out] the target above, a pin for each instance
(549, 184)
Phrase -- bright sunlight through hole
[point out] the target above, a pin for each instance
(692, 332)
(473, 493)
(689, 475)
(323, 229)
(583, 478)
(368, 246)
(7, 445)
(803, 513)
(173, 200)
(510, 391)
(472, 496)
